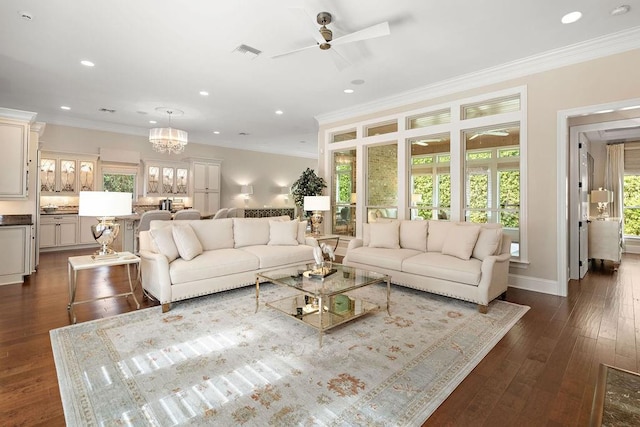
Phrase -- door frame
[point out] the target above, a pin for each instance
(564, 179)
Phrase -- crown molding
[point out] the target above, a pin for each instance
(25, 116)
(599, 47)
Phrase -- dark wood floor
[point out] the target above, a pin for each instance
(543, 371)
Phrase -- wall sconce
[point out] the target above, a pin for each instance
(285, 191)
(246, 191)
(602, 198)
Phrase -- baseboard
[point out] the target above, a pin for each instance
(533, 284)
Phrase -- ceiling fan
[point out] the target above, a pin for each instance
(497, 132)
(324, 36)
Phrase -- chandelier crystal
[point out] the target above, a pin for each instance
(168, 140)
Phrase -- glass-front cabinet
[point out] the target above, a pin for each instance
(65, 174)
(166, 179)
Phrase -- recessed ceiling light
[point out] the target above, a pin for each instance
(279, 112)
(87, 63)
(357, 82)
(64, 107)
(571, 17)
(153, 122)
(621, 10)
(204, 93)
(217, 132)
(348, 91)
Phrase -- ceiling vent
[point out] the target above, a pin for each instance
(248, 51)
(106, 110)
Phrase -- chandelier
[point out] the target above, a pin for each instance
(168, 140)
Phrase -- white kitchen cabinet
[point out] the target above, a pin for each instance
(85, 235)
(15, 252)
(58, 230)
(605, 239)
(14, 166)
(206, 185)
(166, 179)
(65, 174)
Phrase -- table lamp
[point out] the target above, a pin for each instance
(602, 198)
(316, 204)
(105, 206)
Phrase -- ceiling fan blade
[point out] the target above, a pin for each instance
(294, 51)
(309, 24)
(378, 30)
(338, 60)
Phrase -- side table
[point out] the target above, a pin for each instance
(87, 262)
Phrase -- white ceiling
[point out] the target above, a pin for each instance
(162, 53)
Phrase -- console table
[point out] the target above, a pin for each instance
(605, 239)
(269, 212)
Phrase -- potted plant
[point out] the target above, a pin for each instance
(309, 184)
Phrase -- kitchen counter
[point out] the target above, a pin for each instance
(21, 219)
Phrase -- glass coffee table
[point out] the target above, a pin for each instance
(328, 292)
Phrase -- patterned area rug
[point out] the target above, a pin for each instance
(213, 361)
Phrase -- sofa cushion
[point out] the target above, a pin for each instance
(275, 256)
(444, 267)
(283, 233)
(186, 241)
(250, 231)
(216, 263)
(488, 243)
(461, 240)
(212, 234)
(379, 257)
(163, 240)
(437, 234)
(384, 235)
(413, 235)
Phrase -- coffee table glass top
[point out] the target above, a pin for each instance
(344, 279)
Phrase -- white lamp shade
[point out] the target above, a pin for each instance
(104, 204)
(317, 203)
(601, 196)
(246, 189)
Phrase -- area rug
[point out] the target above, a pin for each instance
(214, 361)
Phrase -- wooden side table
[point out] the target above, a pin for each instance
(87, 262)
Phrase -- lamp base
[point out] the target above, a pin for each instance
(316, 221)
(105, 232)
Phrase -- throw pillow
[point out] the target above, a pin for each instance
(460, 241)
(251, 231)
(217, 234)
(163, 238)
(438, 233)
(384, 235)
(187, 242)
(413, 235)
(488, 243)
(283, 233)
(302, 232)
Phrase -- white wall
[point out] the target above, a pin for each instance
(266, 172)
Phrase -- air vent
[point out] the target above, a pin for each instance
(248, 51)
(243, 133)
(106, 110)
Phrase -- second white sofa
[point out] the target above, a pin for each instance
(185, 259)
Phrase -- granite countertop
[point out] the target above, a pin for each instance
(19, 219)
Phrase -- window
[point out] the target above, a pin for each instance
(344, 191)
(429, 119)
(492, 179)
(382, 181)
(430, 177)
(381, 128)
(120, 179)
(631, 210)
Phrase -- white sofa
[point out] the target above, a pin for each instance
(185, 259)
(460, 260)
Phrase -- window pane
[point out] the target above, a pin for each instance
(429, 119)
(382, 178)
(123, 183)
(344, 136)
(631, 203)
(344, 184)
(491, 107)
(430, 184)
(381, 129)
